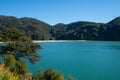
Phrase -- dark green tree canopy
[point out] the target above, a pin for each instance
(49, 74)
(12, 34)
(80, 30)
(19, 45)
(21, 50)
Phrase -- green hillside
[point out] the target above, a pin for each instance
(80, 30)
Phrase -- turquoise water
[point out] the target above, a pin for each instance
(90, 60)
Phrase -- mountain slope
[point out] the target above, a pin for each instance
(81, 30)
(114, 29)
(34, 28)
(78, 31)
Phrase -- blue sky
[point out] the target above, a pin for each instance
(62, 11)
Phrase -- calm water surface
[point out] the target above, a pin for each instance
(90, 60)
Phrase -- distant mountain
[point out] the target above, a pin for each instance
(81, 30)
(77, 31)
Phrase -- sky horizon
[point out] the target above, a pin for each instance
(62, 11)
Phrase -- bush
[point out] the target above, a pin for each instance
(48, 74)
(5, 74)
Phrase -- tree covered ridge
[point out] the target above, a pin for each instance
(81, 30)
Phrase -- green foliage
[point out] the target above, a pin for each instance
(5, 74)
(114, 29)
(70, 78)
(10, 62)
(40, 75)
(76, 31)
(8, 76)
(26, 76)
(20, 45)
(18, 49)
(12, 34)
(49, 74)
(38, 30)
(34, 28)
(21, 67)
(87, 31)
(59, 76)
(21, 50)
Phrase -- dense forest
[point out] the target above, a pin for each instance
(81, 30)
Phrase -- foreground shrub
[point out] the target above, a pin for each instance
(5, 74)
(49, 74)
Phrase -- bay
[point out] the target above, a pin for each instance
(84, 60)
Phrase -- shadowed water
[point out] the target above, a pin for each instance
(88, 60)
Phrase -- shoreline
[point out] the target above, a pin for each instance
(61, 40)
(57, 41)
(72, 41)
(65, 41)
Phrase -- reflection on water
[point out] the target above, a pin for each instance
(117, 47)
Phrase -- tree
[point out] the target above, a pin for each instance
(10, 61)
(49, 74)
(12, 34)
(40, 75)
(21, 67)
(70, 78)
(22, 50)
(5, 74)
(20, 47)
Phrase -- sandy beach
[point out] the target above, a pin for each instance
(59, 40)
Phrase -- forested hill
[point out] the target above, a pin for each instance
(32, 27)
(81, 30)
